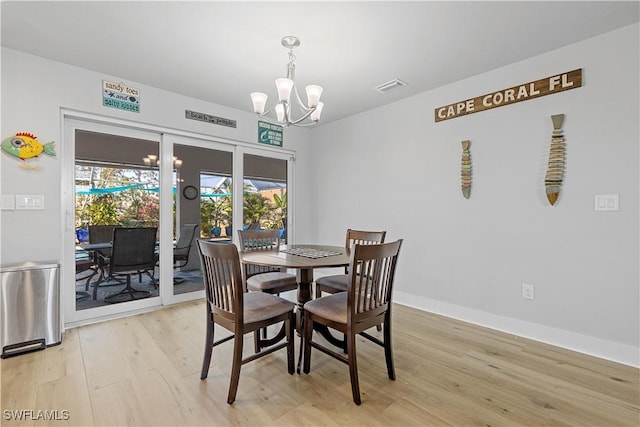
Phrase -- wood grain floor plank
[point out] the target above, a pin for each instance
(145, 371)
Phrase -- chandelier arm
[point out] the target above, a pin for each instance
(304, 125)
(307, 114)
(287, 111)
(268, 111)
(300, 103)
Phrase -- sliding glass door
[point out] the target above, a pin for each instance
(117, 176)
(109, 190)
(202, 203)
(266, 192)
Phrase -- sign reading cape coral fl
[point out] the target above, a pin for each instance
(117, 95)
(524, 92)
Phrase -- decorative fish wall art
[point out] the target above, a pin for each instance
(465, 169)
(555, 167)
(23, 145)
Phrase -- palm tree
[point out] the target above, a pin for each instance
(281, 209)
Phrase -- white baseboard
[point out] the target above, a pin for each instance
(616, 352)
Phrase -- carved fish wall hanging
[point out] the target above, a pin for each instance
(465, 169)
(555, 167)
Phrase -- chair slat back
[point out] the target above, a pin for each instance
(133, 249)
(222, 279)
(362, 237)
(370, 288)
(259, 240)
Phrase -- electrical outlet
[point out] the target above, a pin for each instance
(527, 291)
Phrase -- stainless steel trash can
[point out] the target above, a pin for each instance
(29, 307)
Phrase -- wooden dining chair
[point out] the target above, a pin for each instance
(366, 303)
(338, 283)
(240, 312)
(271, 280)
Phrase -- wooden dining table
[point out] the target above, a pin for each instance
(304, 258)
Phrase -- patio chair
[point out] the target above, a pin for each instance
(85, 265)
(240, 312)
(366, 303)
(183, 248)
(133, 252)
(101, 234)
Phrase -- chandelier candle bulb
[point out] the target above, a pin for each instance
(259, 100)
(313, 95)
(284, 86)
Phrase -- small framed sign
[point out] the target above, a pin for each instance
(270, 134)
(117, 95)
(194, 115)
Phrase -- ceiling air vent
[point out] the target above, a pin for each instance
(392, 84)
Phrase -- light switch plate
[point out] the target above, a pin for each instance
(8, 202)
(29, 202)
(606, 202)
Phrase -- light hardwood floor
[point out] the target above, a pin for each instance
(144, 371)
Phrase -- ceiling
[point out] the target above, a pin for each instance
(222, 51)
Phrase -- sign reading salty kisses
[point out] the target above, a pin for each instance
(524, 92)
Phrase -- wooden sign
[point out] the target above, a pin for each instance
(117, 95)
(193, 115)
(523, 92)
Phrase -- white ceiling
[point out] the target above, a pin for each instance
(222, 51)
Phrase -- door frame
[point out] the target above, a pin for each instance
(70, 120)
(238, 184)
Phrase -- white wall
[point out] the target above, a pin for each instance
(393, 168)
(35, 89)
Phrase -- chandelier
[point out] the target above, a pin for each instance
(310, 113)
(153, 160)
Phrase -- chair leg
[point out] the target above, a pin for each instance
(353, 367)
(235, 368)
(318, 292)
(290, 342)
(127, 291)
(153, 279)
(388, 353)
(101, 278)
(307, 336)
(94, 272)
(208, 348)
(256, 341)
